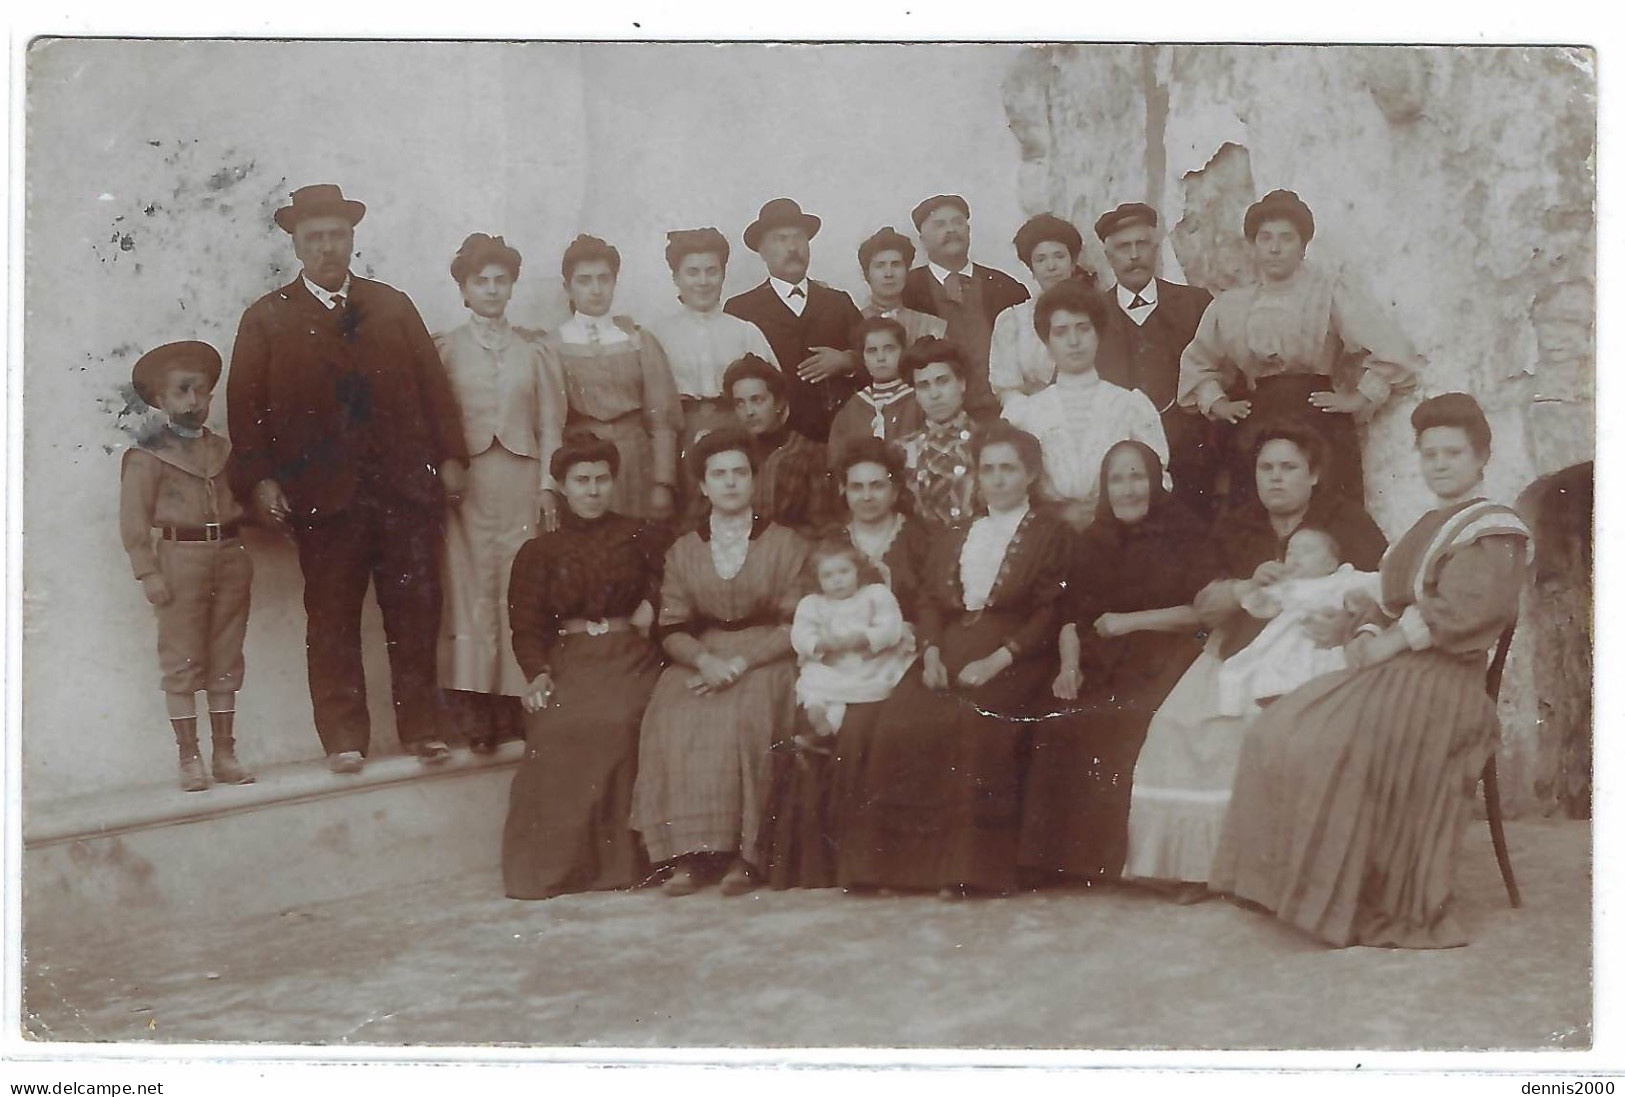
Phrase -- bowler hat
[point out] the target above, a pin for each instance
(148, 375)
(1129, 213)
(319, 200)
(925, 208)
(777, 214)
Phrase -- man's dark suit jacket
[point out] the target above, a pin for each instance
(827, 321)
(999, 290)
(1148, 359)
(309, 405)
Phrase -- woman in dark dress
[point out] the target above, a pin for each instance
(942, 776)
(1130, 633)
(1353, 791)
(1187, 764)
(576, 598)
(812, 789)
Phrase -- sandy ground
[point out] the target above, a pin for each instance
(455, 963)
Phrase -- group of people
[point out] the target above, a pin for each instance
(962, 591)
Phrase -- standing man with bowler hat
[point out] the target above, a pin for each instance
(1150, 323)
(808, 324)
(348, 436)
(967, 295)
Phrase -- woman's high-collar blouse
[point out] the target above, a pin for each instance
(983, 553)
(506, 387)
(1313, 322)
(587, 569)
(1026, 592)
(1076, 420)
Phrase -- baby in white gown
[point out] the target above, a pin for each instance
(1283, 656)
(852, 641)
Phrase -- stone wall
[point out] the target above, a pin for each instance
(1457, 185)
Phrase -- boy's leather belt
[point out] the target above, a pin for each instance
(213, 531)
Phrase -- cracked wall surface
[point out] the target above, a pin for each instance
(1456, 185)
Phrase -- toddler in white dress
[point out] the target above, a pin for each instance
(850, 636)
(1283, 656)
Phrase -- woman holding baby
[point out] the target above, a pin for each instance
(874, 561)
(941, 776)
(1353, 791)
(1182, 780)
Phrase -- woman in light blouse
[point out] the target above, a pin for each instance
(1018, 361)
(942, 777)
(513, 419)
(1080, 416)
(618, 383)
(1301, 343)
(700, 340)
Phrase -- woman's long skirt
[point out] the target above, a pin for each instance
(568, 809)
(935, 793)
(810, 805)
(1075, 805)
(1183, 779)
(704, 756)
(484, 533)
(1352, 797)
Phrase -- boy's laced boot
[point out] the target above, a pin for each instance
(193, 778)
(223, 757)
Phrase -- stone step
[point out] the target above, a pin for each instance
(109, 865)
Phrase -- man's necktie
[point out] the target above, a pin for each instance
(955, 287)
(1139, 303)
(344, 317)
(795, 291)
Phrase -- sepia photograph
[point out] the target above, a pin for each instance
(1018, 546)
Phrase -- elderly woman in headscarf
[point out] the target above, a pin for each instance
(513, 419)
(1129, 633)
(1018, 361)
(1300, 343)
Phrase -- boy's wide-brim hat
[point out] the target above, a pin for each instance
(150, 368)
(319, 200)
(777, 214)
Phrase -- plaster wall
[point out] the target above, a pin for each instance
(152, 172)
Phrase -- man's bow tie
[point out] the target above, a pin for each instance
(1139, 303)
(796, 291)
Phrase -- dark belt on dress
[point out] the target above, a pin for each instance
(576, 626)
(1291, 385)
(738, 624)
(211, 531)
